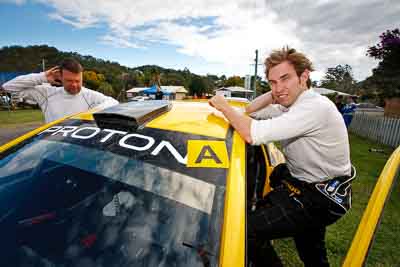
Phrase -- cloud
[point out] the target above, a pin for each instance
(118, 42)
(81, 24)
(227, 32)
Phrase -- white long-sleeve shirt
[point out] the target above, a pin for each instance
(312, 133)
(55, 102)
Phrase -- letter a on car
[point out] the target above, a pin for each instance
(207, 154)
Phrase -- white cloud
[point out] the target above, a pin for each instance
(227, 32)
(118, 42)
(81, 24)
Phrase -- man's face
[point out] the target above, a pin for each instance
(285, 84)
(72, 82)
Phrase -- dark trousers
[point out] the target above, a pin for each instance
(290, 210)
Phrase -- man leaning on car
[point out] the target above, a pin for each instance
(312, 190)
(57, 102)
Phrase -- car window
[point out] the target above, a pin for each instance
(78, 201)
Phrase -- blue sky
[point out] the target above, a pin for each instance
(29, 24)
(209, 36)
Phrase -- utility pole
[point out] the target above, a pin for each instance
(43, 65)
(255, 75)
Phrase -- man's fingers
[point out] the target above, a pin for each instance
(54, 69)
(53, 74)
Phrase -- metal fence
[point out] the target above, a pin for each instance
(384, 130)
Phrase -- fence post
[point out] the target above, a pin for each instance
(397, 133)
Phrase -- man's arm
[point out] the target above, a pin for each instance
(24, 82)
(98, 100)
(260, 102)
(239, 121)
(29, 81)
(28, 85)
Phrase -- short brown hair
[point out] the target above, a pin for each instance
(72, 65)
(297, 59)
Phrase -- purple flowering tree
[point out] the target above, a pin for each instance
(386, 76)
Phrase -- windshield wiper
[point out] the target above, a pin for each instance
(202, 252)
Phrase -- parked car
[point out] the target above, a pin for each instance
(5, 101)
(368, 106)
(370, 109)
(140, 184)
(140, 98)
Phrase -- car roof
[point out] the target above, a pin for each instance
(193, 117)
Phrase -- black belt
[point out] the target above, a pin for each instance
(335, 193)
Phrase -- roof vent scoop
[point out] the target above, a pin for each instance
(130, 116)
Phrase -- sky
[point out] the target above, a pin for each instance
(205, 36)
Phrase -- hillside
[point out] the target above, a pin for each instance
(110, 77)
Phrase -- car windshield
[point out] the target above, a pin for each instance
(74, 204)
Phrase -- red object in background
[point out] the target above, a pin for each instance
(88, 240)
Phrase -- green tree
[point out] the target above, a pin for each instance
(339, 78)
(262, 86)
(106, 88)
(171, 78)
(197, 86)
(92, 80)
(234, 81)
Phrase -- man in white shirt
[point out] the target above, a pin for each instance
(57, 102)
(312, 190)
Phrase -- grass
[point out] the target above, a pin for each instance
(13, 118)
(339, 236)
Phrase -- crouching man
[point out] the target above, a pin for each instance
(312, 190)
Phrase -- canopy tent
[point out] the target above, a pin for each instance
(152, 90)
(326, 91)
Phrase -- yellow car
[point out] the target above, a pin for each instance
(150, 183)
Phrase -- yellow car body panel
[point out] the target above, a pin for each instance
(192, 117)
(370, 220)
(233, 232)
(86, 116)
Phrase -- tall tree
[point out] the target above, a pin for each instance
(339, 78)
(106, 88)
(197, 86)
(92, 79)
(386, 76)
(234, 81)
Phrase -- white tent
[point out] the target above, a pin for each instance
(326, 91)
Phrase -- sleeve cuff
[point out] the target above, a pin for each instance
(43, 77)
(253, 131)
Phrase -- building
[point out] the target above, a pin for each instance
(235, 91)
(392, 107)
(170, 92)
(179, 92)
